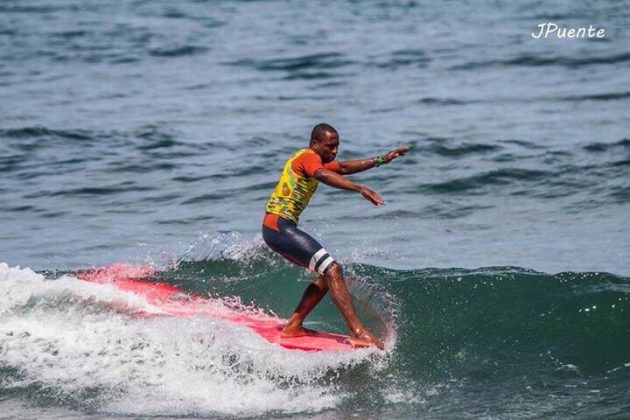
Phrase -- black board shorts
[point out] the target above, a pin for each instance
(284, 237)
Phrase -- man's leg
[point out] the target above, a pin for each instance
(312, 296)
(341, 298)
(299, 247)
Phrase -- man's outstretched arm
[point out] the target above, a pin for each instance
(335, 180)
(348, 167)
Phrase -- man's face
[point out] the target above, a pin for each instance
(327, 147)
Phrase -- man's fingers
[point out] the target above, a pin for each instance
(376, 199)
(401, 150)
(372, 196)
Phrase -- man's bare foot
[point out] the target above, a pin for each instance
(293, 331)
(365, 339)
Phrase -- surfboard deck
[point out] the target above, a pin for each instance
(169, 300)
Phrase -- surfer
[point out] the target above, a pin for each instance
(298, 181)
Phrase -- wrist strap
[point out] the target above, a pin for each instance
(378, 160)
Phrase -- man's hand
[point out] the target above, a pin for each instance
(394, 153)
(372, 196)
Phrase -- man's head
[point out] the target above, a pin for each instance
(325, 142)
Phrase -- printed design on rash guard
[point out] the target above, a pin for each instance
(297, 184)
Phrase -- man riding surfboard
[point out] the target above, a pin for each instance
(299, 179)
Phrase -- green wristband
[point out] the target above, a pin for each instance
(378, 160)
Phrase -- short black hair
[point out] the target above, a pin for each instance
(320, 130)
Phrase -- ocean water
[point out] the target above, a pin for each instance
(153, 132)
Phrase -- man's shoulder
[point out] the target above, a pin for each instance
(306, 155)
(306, 162)
(311, 153)
(304, 151)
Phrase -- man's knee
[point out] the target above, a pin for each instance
(334, 271)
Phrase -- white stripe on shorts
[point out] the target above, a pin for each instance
(323, 266)
(315, 258)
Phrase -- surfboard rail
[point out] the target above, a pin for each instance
(173, 301)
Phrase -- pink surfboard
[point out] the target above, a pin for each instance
(172, 301)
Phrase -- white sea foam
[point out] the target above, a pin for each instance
(83, 341)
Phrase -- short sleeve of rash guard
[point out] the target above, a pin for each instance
(333, 166)
(309, 163)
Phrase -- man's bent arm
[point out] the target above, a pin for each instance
(335, 180)
(348, 167)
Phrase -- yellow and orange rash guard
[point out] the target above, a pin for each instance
(297, 184)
